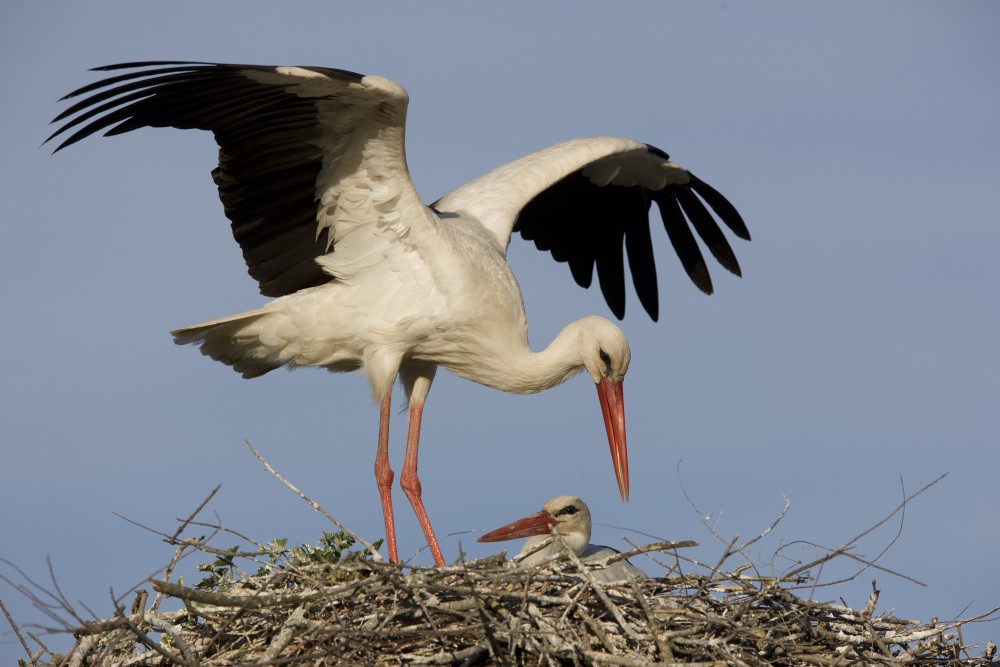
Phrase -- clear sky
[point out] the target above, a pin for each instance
(856, 361)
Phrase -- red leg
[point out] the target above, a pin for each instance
(383, 477)
(411, 483)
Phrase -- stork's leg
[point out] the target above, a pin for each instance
(417, 378)
(384, 476)
(411, 483)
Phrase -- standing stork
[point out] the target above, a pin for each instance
(312, 175)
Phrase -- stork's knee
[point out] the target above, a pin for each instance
(410, 484)
(383, 474)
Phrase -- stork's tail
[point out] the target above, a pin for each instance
(233, 340)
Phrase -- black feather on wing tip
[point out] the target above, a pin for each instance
(617, 308)
(268, 156)
(722, 207)
(683, 241)
(701, 277)
(708, 230)
(147, 63)
(641, 261)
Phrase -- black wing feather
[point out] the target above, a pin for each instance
(725, 210)
(610, 262)
(585, 224)
(641, 261)
(707, 229)
(683, 240)
(557, 221)
(268, 154)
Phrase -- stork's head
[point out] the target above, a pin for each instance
(565, 516)
(606, 355)
(603, 349)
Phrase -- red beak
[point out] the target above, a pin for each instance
(613, 408)
(538, 523)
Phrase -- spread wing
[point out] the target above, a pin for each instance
(309, 157)
(583, 200)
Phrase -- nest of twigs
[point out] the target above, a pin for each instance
(326, 605)
(297, 609)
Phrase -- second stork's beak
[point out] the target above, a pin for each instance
(613, 409)
(538, 523)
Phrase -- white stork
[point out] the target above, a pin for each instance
(312, 175)
(563, 523)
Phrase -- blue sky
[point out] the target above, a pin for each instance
(854, 362)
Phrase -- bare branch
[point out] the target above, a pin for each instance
(312, 503)
(17, 630)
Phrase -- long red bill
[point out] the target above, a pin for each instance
(538, 523)
(613, 409)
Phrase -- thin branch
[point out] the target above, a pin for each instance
(843, 549)
(17, 631)
(313, 503)
(658, 546)
(196, 512)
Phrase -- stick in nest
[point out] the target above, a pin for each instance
(316, 506)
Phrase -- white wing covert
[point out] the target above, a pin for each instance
(309, 157)
(584, 198)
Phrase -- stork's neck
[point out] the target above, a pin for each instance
(510, 365)
(576, 541)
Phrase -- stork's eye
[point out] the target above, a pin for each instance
(569, 510)
(606, 359)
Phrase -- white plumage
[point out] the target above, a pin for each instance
(312, 175)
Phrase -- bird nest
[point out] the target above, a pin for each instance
(331, 605)
(325, 605)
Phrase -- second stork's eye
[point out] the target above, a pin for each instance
(569, 510)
